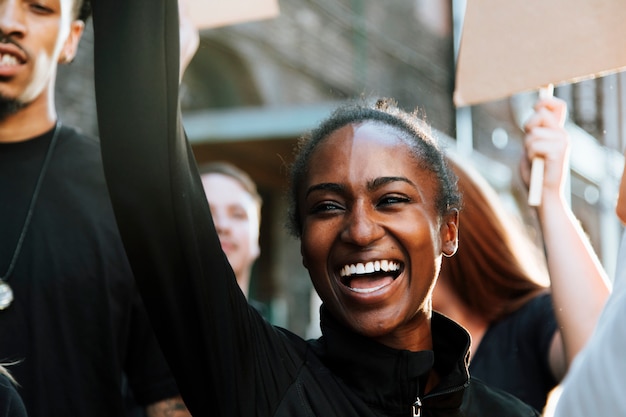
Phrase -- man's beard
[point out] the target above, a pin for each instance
(9, 106)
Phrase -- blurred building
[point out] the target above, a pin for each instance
(252, 89)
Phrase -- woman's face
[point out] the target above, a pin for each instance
(372, 239)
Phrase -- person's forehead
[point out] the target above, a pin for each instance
(367, 140)
(221, 181)
(225, 189)
(364, 155)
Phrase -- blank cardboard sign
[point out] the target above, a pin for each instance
(208, 14)
(509, 47)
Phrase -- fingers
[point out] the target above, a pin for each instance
(547, 138)
(549, 112)
(545, 142)
(545, 129)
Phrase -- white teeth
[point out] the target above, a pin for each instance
(369, 267)
(367, 290)
(8, 60)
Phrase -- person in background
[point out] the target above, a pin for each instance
(11, 404)
(236, 211)
(594, 384)
(71, 318)
(527, 324)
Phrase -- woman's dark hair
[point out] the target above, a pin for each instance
(416, 134)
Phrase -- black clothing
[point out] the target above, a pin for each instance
(11, 404)
(77, 321)
(228, 361)
(513, 355)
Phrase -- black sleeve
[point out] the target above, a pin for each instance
(226, 359)
(145, 368)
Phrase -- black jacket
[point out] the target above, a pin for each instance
(389, 382)
(227, 360)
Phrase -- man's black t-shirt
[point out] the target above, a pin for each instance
(77, 322)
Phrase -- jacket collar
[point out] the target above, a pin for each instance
(390, 379)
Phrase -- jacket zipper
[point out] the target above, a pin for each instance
(417, 407)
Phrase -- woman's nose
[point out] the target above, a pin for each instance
(361, 226)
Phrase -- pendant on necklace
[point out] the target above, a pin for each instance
(6, 295)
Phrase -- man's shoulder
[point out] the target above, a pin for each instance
(76, 136)
(75, 144)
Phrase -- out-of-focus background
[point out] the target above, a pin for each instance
(253, 88)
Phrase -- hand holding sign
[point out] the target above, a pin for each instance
(513, 47)
(546, 140)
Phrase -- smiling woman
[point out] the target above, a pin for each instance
(375, 207)
(369, 188)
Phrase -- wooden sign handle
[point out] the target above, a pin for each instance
(536, 171)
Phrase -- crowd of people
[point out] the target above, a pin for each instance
(124, 265)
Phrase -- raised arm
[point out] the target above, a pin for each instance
(579, 283)
(216, 345)
(595, 383)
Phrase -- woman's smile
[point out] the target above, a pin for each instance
(369, 222)
(369, 277)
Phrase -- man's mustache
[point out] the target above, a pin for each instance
(4, 38)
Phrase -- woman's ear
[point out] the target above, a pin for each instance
(450, 233)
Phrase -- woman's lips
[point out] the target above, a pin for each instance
(369, 277)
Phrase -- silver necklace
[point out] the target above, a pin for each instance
(6, 293)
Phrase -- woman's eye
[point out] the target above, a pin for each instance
(325, 207)
(392, 199)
